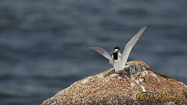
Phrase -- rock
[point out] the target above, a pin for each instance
(108, 88)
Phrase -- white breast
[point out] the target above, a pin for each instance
(118, 64)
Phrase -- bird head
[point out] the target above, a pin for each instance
(116, 49)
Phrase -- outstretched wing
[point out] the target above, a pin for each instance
(102, 51)
(131, 44)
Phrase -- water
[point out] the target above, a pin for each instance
(43, 42)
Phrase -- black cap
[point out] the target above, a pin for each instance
(116, 48)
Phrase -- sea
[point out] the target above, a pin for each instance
(43, 43)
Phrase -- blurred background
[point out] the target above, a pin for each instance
(43, 42)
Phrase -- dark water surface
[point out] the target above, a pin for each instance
(43, 42)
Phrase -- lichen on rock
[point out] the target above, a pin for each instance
(108, 88)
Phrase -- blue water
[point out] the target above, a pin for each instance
(43, 42)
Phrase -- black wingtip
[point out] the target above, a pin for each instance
(144, 26)
(89, 46)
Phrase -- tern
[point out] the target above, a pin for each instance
(117, 59)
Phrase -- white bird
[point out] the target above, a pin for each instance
(117, 59)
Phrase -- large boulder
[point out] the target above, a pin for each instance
(107, 88)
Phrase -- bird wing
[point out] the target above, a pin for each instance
(131, 44)
(102, 51)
